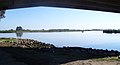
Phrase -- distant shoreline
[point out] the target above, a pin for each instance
(50, 30)
(109, 31)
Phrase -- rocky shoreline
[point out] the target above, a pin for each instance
(38, 53)
(24, 43)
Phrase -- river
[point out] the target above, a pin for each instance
(91, 39)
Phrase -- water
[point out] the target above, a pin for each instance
(92, 39)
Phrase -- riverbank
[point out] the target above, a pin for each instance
(31, 52)
(23, 43)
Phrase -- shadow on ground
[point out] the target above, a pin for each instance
(55, 56)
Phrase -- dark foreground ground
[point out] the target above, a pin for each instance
(32, 52)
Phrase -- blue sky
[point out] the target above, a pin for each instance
(56, 18)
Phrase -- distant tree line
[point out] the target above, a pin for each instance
(27, 30)
(111, 31)
(20, 29)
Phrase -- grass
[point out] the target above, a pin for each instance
(106, 59)
(7, 40)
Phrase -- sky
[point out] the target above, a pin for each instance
(59, 18)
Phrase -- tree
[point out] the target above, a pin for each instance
(2, 14)
(19, 28)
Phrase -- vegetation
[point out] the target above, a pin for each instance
(111, 31)
(26, 43)
(7, 40)
(50, 30)
(107, 59)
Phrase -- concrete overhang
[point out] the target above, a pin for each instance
(98, 5)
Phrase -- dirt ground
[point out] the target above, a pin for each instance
(91, 62)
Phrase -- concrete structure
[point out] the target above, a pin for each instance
(99, 5)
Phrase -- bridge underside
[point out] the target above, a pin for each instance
(98, 5)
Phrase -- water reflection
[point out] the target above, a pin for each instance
(93, 39)
(19, 34)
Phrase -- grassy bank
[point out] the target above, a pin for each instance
(106, 59)
(38, 53)
(7, 40)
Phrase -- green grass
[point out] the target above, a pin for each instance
(107, 59)
(7, 40)
(114, 58)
